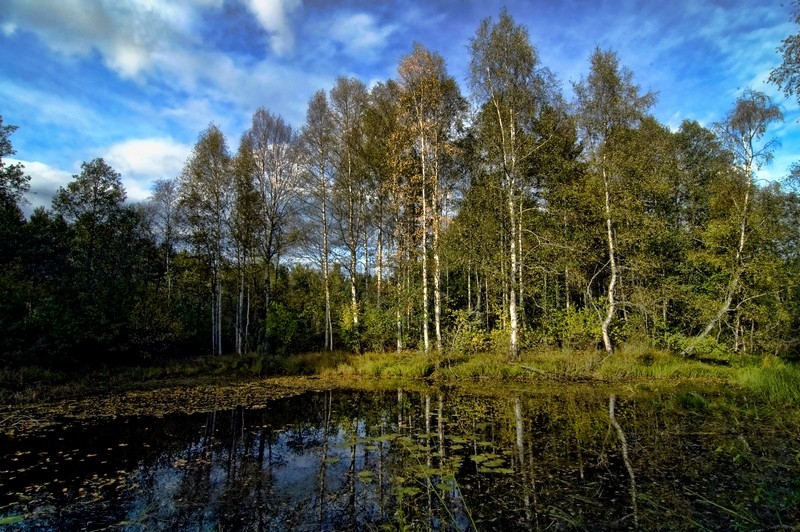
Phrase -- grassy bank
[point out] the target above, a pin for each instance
(769, 377)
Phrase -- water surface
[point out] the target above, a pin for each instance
(432, 459)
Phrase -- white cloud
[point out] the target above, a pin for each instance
(273, 16)
(126, 34)
(360, 35)
(141, 161)
(45, 181)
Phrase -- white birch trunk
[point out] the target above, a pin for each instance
(512, 304)
(353, 244)
(326, 266)
(425, 310)
(437, 268)
(512, 293)
(612, 259)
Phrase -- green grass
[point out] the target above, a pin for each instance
(768, 377)
(774, 379)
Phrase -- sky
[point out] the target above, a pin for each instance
(136, 81)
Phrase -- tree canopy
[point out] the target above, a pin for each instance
(402, 215)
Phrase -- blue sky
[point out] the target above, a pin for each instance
(135, 81)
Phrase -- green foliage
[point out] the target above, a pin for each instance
(281, 326)
(379, 327)
(468, 335)
(574, 328)
(706, 348)
(705, 258)
(349, 331)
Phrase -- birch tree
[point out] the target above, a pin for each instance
(511, 87)
(608, 103)
(206, 197)
(741, 133)
(244, 232)
(388, 158)
(348, 101)
(318, 165)
(275, 177)
(432, 104)
(162, 212)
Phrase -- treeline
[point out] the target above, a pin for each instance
(405, 216)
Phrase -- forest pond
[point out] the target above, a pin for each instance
(437, 458)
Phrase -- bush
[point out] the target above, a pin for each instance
(468, 336)
(574, 328)
(379, 329)
(707, 347)
(281, 327)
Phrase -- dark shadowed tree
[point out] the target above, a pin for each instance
(110, 259)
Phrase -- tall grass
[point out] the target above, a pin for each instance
(636, 362)
(774, 379)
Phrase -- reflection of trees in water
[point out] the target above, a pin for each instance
(444, 460)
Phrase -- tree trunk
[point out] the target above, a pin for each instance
(379, 254)
(612, 259)
(247, 323)
(425, 310)
(353, 244)
(469, 288)
(521, 310)
(326, 268)
(512, 293)
(437, 268)
(240, 311)
(267, 294)
(219, 316)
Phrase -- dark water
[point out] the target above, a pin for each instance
(436, 459)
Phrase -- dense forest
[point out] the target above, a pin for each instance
(414, 215)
